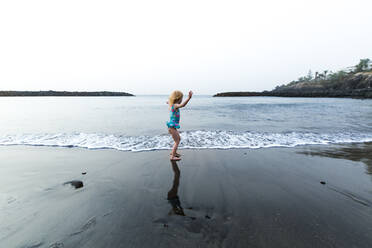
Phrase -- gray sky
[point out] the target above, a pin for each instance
(154, 47)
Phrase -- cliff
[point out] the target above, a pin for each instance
(355, 85)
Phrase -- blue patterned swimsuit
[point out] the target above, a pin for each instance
(174, 118)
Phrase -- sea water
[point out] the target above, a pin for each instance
(139, 123)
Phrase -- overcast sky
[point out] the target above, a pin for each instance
(154, 47)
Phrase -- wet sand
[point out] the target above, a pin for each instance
(212, 198)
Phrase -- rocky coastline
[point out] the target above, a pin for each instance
(62, 93)
(352, 85)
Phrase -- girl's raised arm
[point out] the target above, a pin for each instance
(185, 102)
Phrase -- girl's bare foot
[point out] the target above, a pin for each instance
(176, 155)
(174, 158)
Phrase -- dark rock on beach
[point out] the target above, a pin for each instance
(75, 183)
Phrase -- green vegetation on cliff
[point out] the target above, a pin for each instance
(329, 79)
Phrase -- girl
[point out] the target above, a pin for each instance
(175, 103)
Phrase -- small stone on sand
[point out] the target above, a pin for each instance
(76, 183)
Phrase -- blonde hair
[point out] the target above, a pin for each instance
(175, 97)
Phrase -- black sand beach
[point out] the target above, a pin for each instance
(212, 198)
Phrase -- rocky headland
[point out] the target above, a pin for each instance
(356, 83)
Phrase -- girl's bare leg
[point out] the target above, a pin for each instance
(176, 137)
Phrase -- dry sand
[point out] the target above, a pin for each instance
(217, 198)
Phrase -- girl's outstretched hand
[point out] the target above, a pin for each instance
(184, 102)
(190, 93)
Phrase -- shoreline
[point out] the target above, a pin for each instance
(367, 143)
(230, 198)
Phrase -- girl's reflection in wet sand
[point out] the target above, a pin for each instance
(173, 198)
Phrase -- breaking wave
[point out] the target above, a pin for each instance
(189, 140)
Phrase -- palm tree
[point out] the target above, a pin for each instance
(325, 74)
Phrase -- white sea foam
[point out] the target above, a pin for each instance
(189, 139)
